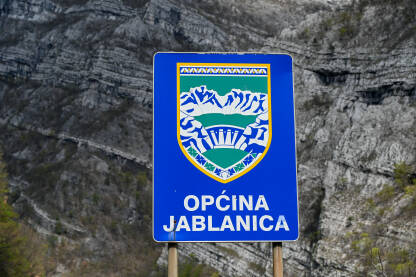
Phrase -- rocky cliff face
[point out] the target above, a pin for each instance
(76, 111)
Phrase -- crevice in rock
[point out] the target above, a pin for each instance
(5, 8)
(313, 230)
(375, 96)
(364, 169)
(330, 77)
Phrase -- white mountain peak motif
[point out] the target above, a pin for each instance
(201, 100)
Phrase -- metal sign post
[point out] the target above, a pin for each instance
(277, 259)
(172, 259)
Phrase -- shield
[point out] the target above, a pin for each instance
(224, 117)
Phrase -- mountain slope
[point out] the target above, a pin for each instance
(75, 124)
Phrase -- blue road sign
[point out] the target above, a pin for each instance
(224, 157)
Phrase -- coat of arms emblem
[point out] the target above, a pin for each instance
(224, 116)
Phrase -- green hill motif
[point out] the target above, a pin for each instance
(224, 157)
(237, 120)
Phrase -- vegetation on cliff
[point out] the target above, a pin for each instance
(372, 246)
(21, 252)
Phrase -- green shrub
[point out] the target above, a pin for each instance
(404, 182)
(257, 267)
(142, 178)
(386, 193)
(59, 228)
(375, 259)
(191, 268)
(95, 198)
(411, 190)
(403, 174)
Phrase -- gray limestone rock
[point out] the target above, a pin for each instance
(76, 122)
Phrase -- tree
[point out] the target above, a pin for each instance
(21, 253)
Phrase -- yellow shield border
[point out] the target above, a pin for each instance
(202, 169)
